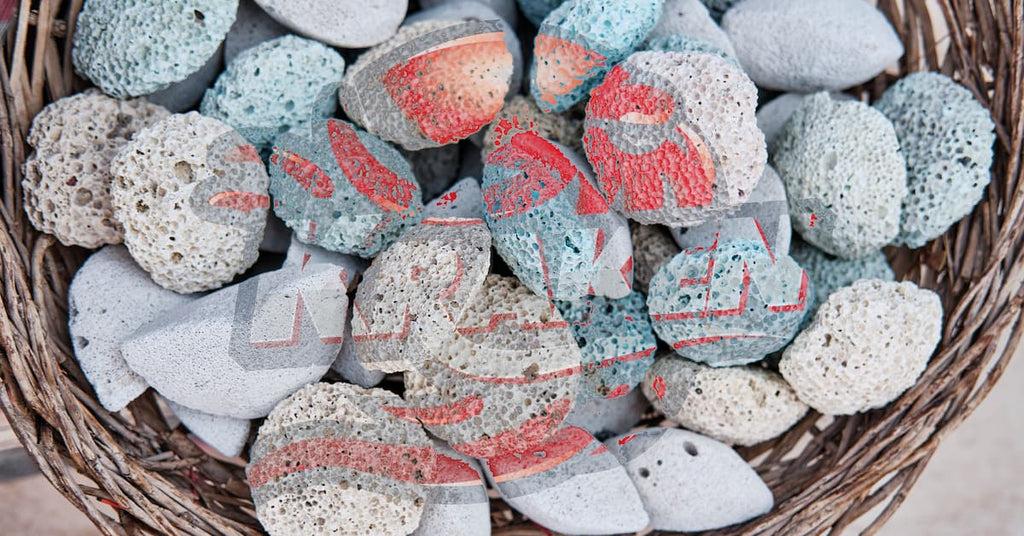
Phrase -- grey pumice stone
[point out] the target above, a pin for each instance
(252, 26)
(829, 274)
(225, 434)
(690, 18)
(772, 115)
(796, 45)
(606, 417)
(109, 298)
(456, 505)
(689, 482)
(946, 137)
(341, 23)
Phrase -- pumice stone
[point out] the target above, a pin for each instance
(252, 26)
(690, 18)
(456, 502)
(829, 274)
(772, 116)
(225, 434)
(340, 23)
(506, 9)
(607, 417)
(536, 10)
(183, 96)
(559, 128)
(653, 246)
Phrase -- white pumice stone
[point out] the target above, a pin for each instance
(772, 115)
(67, 177)
(845, 175)
(463, 200)
(690, 18)
(341, 23)
(653, 246)
(607, 417)
(300, 255)
(109, 298)
(456, 502)
(689, 482)
(225, 434)
(252, 26)
(735, 405)
(829, 274)
(867, 345)
(796, 45)
(192, 196)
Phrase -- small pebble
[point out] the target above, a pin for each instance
(559, 128)
(690, 18)
(728, 303)
(653, 246)
(689, 482)
(735, 405)
(569, 484)
(456, 503)
(192, 196)
(845, 176)
(607, 417)
(67, 177)
(343, 189)
(340, 23)
(852, 43)
(225, 434)
(252, 26)
(829, 274)
(868, 344)
(772, 116)
(537, 10)
(185, 95)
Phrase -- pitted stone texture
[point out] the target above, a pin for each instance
(829, 274)
(673, 137)
(225, 434)
(192, 196)
(239, 351)
(867, 345)
(436, 82)
(607, 417)
(772, 116)
(579, 42)
(457, 505)
(67, 178)
(537, 10)
(109, 298)
(274, 86)
(616, 340)
(652, 248)
(435, 169)
(130, 48)
(550, 224)
(185, 95)
(252, 26)
(735, 405)
(569, 484)
(330, 460)
(506, 9)
(690, 18)
(728, 304)
(946, 137)
(852, 43)
(343, 189)
(763, 218)
(560, 128)
(689, 482)
(505, 382)
(845, 175)
(341, 23)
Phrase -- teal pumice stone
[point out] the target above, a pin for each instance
(274, 86)
(829, 274)
(845, 175)
(130, 48)
(772, 115)
(690, 18)
(946, 137)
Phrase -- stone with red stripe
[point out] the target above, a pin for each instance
(458, 504)
(570, 484)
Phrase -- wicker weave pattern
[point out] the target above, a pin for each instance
(132, 474)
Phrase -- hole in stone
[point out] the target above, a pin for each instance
(690, 448)
(644, 472)
(82, 342)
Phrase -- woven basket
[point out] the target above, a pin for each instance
(133, 474)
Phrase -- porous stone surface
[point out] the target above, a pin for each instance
(607, 417)
(550, 224)
(673, 138)
(225, 434)
(853, 42)
(192, 196)
(579, 41)
(506, 9)
(435, 82)
(616, 341)
(536, 10)
(764, 217)
(341, 23)
(867, 345)
(559, 128)
(569, 484)
(690, 18)
(829, 274)
(653, 246)
(731, 303)
(330, 460)
(507, 379)
(274, 86)
(67, 177)
(109, 298)
(343, 189)
(735, 405)
(435, 169)
(845, 175)
(130, 48)
(689, 482)
(252, 26)
(456, 502)
(946, 137)
(185, 95)
(239, 351)
(772, 116)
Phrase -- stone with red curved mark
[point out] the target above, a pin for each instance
(434, 83)
(343, 189)
(505, 381)
(456, 506)
(728, 303)
(579, 41)
(570, 484)
(549, 222)
(673, 138)
(563, 128)
(329, 459)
